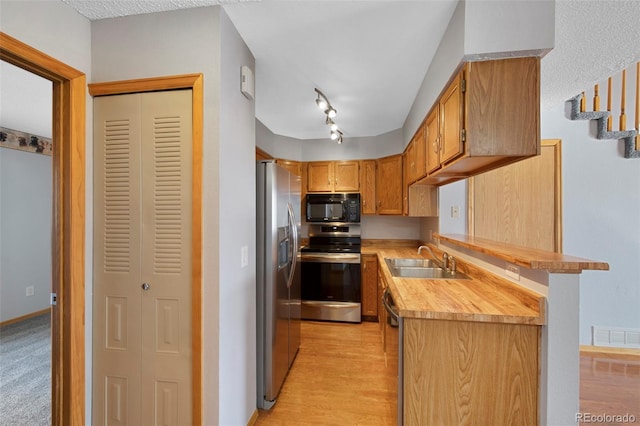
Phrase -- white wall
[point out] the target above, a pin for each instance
(482, 29)
(379, 146)
(237, 229)
(25, 232)
(158, 44)
(25, 196)
(278, 146)
(601, 221)
(60, 32)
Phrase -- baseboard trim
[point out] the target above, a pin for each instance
(24, 317)
(610, 351)
(253, 419)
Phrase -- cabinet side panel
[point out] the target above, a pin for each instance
(468, 373)
(503, 107)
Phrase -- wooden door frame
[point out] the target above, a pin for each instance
(68, 186)
(195, 83)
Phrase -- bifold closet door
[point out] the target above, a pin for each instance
(142, 344)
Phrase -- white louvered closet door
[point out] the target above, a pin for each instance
(142, 360)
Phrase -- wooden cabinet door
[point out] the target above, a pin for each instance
(451, 120)
(319, 175)
(389, 185)
(369, 285)
(346, 176)
(409, 163)
(432, 139)
(368, 186)
(419, 160)
(405, 184)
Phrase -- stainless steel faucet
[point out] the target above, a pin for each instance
(433, 256)
(452, 264)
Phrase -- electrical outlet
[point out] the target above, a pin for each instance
(30, 291)
(512, 271)
(455, 211)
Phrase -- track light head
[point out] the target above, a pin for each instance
(333, 126)
(331, 112)
(322, 101)
(322, 104)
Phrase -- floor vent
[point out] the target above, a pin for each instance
(618, 337)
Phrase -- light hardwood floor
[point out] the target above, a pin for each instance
(340, 378)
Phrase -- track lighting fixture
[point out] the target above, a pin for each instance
(333, 126)
(323, 103)
(336, 135)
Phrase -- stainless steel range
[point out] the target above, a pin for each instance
(330, 268)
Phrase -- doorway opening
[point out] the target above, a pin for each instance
(68, 199)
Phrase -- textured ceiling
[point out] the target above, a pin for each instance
(594, 40)
(369, 57)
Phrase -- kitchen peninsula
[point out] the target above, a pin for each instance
(492, 347)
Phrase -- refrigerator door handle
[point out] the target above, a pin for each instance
(294, 249)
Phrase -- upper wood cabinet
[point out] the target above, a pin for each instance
(389, 185)
(262, 155)
(295, 167)
(432, 138)
(368, 186)
(488, 116)
(415, 156)
(333, 176)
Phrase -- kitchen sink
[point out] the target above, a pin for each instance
(421, 268)
(412, 262)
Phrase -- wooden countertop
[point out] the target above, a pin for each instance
(482, 298)
(526, 257)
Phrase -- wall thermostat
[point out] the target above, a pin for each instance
(247, 85)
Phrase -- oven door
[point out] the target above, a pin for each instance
(331, 286)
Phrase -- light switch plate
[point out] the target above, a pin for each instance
(244, 256)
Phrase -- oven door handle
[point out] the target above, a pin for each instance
(330, 257)
(387, 305)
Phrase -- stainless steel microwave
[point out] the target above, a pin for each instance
(333, 207)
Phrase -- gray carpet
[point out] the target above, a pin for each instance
(25, 372)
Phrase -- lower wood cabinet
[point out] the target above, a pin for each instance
(369, 278)
(467, 373)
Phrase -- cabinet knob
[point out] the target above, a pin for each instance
(146, 286)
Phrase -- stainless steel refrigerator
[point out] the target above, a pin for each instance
(277, 277)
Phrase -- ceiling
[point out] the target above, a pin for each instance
(370, 57)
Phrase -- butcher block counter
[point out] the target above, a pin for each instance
(483, 297)
(469, 348)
